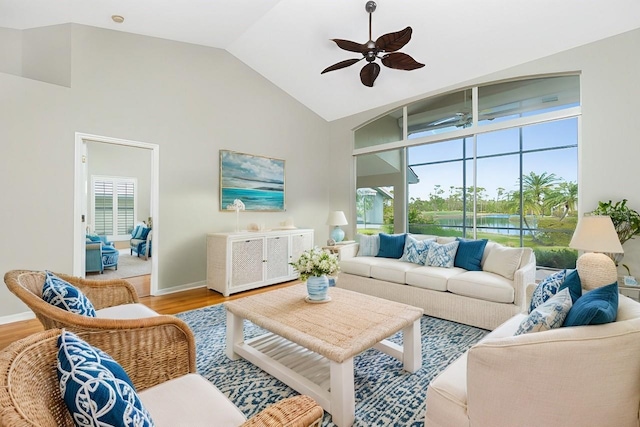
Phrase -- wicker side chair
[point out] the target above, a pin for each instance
(27, 285)
(30, 392)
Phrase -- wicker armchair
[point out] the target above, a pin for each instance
(30, 392)
(27, 285)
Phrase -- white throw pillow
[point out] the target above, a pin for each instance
(503, 261)
(548, 315)
(368, 245)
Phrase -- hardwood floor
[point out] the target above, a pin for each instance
(164, 304)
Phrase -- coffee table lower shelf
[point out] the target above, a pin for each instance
(330, 383)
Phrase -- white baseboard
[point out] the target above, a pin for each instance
(27, 315)
(185, 287)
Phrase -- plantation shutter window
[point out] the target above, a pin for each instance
(113, 206)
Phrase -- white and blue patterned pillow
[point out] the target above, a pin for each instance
(368, 245)
(547, 288)
(442, 255)
(415, 251)
(548, 315)
(95, 388)
(64, 295)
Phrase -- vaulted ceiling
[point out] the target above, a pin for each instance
(288, 41)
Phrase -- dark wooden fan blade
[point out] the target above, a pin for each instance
(400, 61)
(369, 73)
(350, 46)
(341, 64)
(394, 41)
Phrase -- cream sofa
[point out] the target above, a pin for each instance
(477, 298)
(573, 376)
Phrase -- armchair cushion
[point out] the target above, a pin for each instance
(200, 403)
(95, 388)
(64, 295)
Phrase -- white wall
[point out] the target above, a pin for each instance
(10, 51)
(609, 149)
(190, 100)
(125, 162)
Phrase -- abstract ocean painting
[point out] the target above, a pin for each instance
(257, 181)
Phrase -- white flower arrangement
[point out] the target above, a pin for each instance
(316, 262)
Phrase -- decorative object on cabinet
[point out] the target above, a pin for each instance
(257, 180)
(336, 219)
(237, 206)
(238, 262)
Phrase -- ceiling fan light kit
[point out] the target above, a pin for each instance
(384, 48)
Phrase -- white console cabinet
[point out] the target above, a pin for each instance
(241, 261)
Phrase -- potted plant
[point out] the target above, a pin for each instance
(314, 265)
(625, 220)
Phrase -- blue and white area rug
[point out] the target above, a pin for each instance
(385, 394)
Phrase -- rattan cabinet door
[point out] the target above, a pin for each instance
(277, 257)
(300, 242)
(247, 259)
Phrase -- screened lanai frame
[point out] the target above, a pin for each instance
(477, 124)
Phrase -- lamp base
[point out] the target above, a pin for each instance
(337, 234)
(596, 270)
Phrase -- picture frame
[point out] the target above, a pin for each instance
(257, 181)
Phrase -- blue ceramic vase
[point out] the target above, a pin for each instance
(317, 287)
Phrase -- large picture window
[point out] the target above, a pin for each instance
(509, 174)
(113, 206)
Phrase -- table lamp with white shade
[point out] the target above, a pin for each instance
(596, 235)
(336, 219)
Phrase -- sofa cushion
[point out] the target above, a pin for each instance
(572, 282)
(434, 278)
(64, 295)
(503, 261)
(547, 288)
(595, 307)
(391, 270)
(548, 315)
(95, 388)
(360, 265)
(126, 311)
(391, 245)
(442, 255)
(469, 254)
(415, 251)
(190, 400)
(368, 245)
(482, 285)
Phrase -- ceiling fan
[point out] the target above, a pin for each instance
(385, 48)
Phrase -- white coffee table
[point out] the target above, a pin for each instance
(310, 347)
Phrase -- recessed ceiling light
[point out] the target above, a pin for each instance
(118, 19)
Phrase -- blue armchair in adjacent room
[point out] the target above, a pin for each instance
(141, 238)
(100, 254)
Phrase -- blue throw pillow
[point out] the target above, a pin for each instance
(442, 255)
(469, 254)
(144, 233)
(572, 281)
(93, 237)
(547, 288)
(368, 245)
(95, 388)
(391, 245)
(415, 251)
(64, 295)
(595, 307)
(137, 232)
(548, 315)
